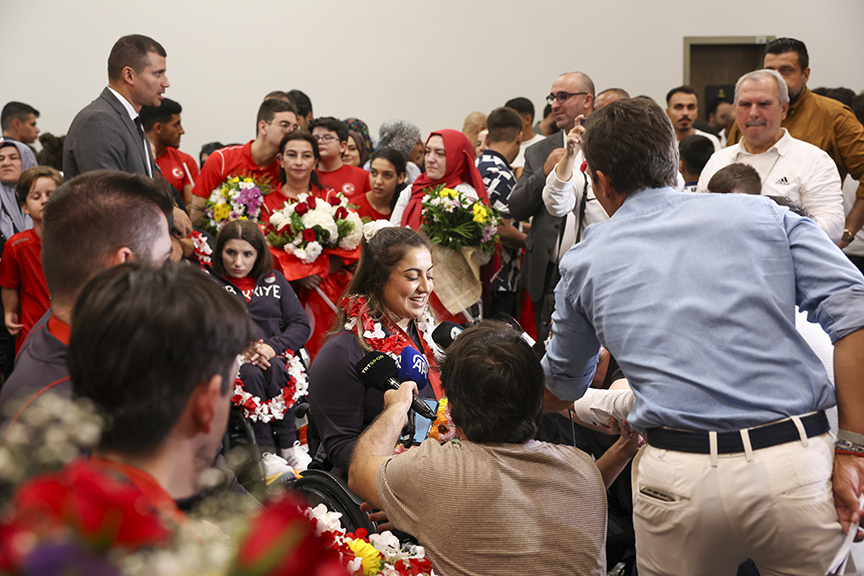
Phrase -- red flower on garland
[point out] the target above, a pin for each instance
(334, 200)
(309, 235)
(341, 213)
(282, 541)
(312, 201)
(390, 344)
(301, 208)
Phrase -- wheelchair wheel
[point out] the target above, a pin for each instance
(320, 487)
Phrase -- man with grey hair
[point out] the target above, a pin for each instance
(694, 295)
(820, 121)
(788, 167)
(401, 136)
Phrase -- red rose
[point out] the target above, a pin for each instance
(312, 202)
(341, 213)
(282, 541)
(301, 208)
(334, 200)
(308, 235)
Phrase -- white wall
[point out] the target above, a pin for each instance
(430, 62)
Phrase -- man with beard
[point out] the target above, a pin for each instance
(682, 107)
(821, 121)
(788, 166)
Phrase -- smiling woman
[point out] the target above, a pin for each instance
(386, 309)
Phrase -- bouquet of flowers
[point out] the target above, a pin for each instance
(309, 226)
(235, 199)
(454, 220)
(365, 554)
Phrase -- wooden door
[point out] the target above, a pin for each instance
(712, 65)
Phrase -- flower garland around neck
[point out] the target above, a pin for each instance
(202, 251)
(357, 311)
(274, 408)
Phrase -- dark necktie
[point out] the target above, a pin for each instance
(146, 142)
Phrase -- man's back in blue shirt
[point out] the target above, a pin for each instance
(695, 297)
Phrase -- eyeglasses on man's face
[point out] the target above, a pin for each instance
(562, 97)
(287, 126)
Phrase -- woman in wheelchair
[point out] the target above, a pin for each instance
(385, 309)
(243, 265)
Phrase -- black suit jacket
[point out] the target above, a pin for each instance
(103, 137)
(526, 201)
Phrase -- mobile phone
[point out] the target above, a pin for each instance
(422, 426)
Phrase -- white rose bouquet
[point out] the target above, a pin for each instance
(310, 226)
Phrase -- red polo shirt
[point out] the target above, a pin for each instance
(21, 270)
(232, 161)
(178, 168)
(365, 209)
(349, 180)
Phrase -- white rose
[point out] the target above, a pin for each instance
(313, 250)
(324, 219)
(351, 240)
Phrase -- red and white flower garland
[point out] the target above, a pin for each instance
(275, 408)
(202, 251)
(392, 345)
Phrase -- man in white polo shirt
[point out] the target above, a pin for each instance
(788, 167)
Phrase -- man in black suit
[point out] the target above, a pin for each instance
(107, 133)
(572, 95)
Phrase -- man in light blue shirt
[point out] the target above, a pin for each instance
(695, 295)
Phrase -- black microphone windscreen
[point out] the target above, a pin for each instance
(375, 369)
(445, 333)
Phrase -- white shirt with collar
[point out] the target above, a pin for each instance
(795, 169)
(133, 115)
(562, 199)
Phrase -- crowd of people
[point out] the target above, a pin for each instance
(690, 324)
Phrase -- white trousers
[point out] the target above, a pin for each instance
(774, 505)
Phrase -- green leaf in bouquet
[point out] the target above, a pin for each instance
(276, 240)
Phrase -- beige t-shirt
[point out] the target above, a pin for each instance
(481, 509)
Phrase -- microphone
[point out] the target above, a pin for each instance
(379, 371)
(412, 365)
(445, 333)
(508, 319)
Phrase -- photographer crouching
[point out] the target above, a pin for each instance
(495, 501)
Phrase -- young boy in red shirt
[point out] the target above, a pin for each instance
(24, 291)
(332, 137)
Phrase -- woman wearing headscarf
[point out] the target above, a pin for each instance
(360, 127)
(14, 159)
(449, 162)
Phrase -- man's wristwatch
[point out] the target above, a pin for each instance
(847, 236)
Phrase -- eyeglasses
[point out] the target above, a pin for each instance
(326, 138)
(287, 126)
(562, 97)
